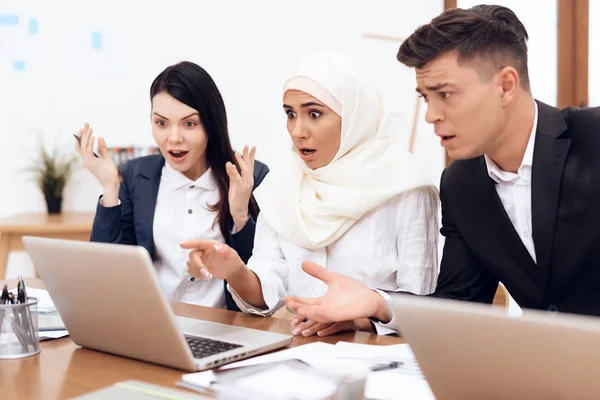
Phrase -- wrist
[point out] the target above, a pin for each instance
(383, 311)
(239, 220)
(238, 274)
(110, 186)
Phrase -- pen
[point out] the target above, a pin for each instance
(79, 140)
(4, 297)
(26, 319)
(16, 325)
(384, 367)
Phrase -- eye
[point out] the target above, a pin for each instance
(290, 114)
(161, 123)
(445, 95)
(190, 124)
(424, 97)
(314, 114)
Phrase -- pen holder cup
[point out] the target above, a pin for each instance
(19, 329)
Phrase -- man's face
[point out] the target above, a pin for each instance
(465, 108)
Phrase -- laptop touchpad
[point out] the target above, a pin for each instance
(205, 328)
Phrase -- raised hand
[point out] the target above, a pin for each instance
(102, 167)
(241, 184)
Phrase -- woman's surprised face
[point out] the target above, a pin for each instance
(314, 128)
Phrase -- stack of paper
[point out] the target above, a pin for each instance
(392, 372)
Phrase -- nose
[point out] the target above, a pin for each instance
(299, 129)
(175, 135)
(433, 114)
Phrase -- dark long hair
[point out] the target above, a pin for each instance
(192, 85)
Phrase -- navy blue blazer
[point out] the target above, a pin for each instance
(132, 221)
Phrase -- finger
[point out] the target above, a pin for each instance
(335, 328)
(77, 142)
(251, 160)
(315, 270)
(315, 313)
(304, 311)
(102, 148)
(242, 164)
(90, 145)
(232, 172)
(84, 137)
(316, 328)
(200, 244)
(200, 273)
(300, 329)
(303, 301)
(246, 154)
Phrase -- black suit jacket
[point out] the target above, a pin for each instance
(482, 246)
(132, 221)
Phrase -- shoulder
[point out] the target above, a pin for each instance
(456, 174)
(260, 171)
(148, 165)
(582, 121)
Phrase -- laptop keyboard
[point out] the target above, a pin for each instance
(202, 347)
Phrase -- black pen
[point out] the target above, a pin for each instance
(4, 297)
(391, 365)
(79, 140)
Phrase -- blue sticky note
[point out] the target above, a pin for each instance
(19, 65)
(9, 20)
(96, 40)
(33, 26)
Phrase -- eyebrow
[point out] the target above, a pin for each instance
(309, 104)
(434, 88)
(191, 115)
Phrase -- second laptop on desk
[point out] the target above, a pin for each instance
(110, 300)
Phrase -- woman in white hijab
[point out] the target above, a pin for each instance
(350, 199)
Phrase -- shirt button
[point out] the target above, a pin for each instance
(190, 211)
(553, 309)
(191, 187)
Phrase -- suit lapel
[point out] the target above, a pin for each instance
(494, 215)
(147, 183)
(549, 156)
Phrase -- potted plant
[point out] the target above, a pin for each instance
(52, 172)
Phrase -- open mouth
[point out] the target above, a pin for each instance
(307, 152)
(178, 155)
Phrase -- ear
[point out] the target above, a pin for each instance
(508, 83)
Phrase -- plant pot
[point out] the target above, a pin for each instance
(54, 204)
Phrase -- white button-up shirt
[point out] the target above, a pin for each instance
(514, 191)
(182, 213)
(393, 247)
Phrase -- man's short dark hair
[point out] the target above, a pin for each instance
(487, 33)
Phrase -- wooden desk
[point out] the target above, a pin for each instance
(74, 226)
(64, 370)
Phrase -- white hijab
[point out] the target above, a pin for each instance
(314, 208)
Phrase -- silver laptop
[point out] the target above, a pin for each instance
(474, 351)
(110, 300)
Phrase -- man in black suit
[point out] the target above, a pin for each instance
(521, 201)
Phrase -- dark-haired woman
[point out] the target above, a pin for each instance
(203, 190)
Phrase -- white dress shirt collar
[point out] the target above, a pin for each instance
(177, 180)
(499, 175)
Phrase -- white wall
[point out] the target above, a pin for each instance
(248, 48)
